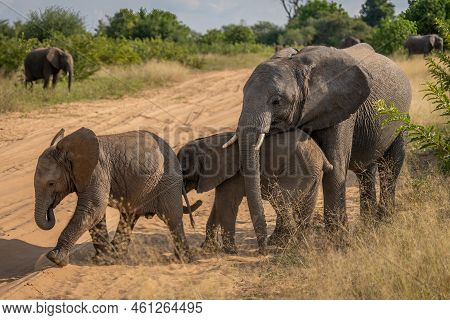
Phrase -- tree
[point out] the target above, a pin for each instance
(6, 30)
(143, 24)
(213, 36)
(291, 7)
(390, 34)
(331, 28)
(238, 33)
(374, 10)
(266, 32)
(43, 24)
(424, 13)
(313, 9)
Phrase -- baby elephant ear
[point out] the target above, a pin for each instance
(81, 150)
(57, 138)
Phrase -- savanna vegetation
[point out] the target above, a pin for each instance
(130, 38)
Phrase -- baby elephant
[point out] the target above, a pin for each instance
(136, 172)
(292, 165)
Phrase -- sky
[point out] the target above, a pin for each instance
(199, 15)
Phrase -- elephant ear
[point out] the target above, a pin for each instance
(53, 56)
(81, 150)
(216, 164)
(57, 138)
(336, 88)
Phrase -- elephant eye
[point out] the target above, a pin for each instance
(51, 184)
(275, 101)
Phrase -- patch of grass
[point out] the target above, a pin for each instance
(406, 257)
(111, 83)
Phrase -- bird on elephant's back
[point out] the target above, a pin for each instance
(328, 93)
(43, 63)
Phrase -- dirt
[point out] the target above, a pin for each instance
(207, 103)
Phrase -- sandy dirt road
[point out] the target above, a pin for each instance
(205, 104)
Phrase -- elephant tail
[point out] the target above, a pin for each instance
(187, 209)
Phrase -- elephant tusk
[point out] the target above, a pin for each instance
(260, 141)
(230, 142)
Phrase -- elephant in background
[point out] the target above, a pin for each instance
(135, 172)
(42, 63)
(348, 42)
(292, 167)
(328, 93)
(424, 44)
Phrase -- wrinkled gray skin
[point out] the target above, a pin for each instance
(135, 172)
(328, 93)
(347, 42)
(42, 63)
(424, 44)
(292, 165)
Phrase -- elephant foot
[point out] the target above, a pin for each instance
(278, 239)
(103, 259)
(58, 257)
(230, 249)
(210, 245)
(262, 244)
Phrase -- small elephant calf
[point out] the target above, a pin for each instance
(292, 165)
(136, 172)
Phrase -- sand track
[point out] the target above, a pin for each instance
(206, 103)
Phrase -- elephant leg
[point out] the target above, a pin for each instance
(100, 240)
(55, 79)
(122, 237)
(85, 217)
(229, 196)
(367, 192)
(336, 143)
(171, 212)
(389, 168)
(212, 227)
(283, 225)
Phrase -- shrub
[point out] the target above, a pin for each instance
(42, 24)
(238, 34)
(391, 34)
(428, 137)
(266, 32)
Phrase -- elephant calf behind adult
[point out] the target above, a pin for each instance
(135, 172)
(42, 63)
(292, 167)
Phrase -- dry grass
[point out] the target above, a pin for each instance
(405, 258)
(112, 83)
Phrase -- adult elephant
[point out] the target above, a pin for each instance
(424, 44)
(329, 93)
(42, 63)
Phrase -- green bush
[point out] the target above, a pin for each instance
(238, 34)
(13, 51)
(432, 138)
(42, 24)
(391, 34)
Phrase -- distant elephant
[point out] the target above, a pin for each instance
(424, 44)
(42, 63)
(348, 42)
(329, 93)
(292, 166)
(135, 172)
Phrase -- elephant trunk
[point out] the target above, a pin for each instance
(70, 73)
(44, 215)
(250, 139)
